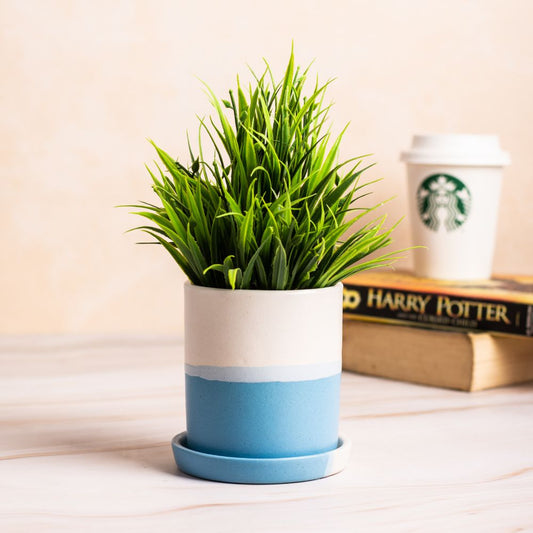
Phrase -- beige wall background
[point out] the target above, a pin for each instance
(85, 83)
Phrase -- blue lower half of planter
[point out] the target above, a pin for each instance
(268, 419)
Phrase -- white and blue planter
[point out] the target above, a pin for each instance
(263, 375)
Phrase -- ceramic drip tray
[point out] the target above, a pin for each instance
(259, 470)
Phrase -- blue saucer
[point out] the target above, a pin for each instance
(259, 471)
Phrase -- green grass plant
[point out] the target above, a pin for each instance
(271, 208)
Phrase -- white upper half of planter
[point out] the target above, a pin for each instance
(257, 335)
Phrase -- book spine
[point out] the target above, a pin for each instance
(434, 310)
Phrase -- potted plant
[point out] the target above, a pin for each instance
(259, 227)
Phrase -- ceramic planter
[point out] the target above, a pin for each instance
(262, 385)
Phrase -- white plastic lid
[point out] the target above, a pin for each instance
(456, 149)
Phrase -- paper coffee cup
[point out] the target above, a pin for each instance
(454, 184)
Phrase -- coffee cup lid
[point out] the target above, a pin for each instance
(456, 149)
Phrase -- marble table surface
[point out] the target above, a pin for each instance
(86, 423)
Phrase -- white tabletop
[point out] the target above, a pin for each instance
(86, 424)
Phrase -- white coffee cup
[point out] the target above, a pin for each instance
(454, 184)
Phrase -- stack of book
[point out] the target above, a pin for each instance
(468, 336)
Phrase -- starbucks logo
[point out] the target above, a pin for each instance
(443, 201)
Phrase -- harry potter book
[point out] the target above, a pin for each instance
(503, 304)
(467, 361)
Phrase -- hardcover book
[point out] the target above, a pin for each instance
(467, 361)
(503, 304)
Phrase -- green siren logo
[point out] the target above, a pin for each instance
(443, 201)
